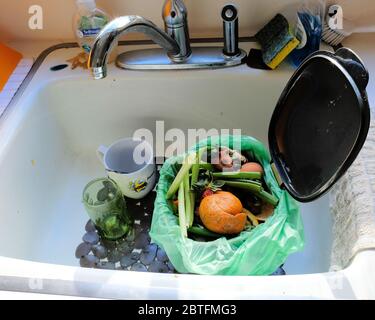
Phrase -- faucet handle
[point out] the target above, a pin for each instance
(176, 26)
(174, 13)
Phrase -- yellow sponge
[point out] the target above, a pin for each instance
(276, 40)
(281, 55)
(9, 60)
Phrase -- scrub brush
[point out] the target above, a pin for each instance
(276, 40)
(333, 36)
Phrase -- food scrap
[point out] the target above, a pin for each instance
(223, 197)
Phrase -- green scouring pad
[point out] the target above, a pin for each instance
(276, 41)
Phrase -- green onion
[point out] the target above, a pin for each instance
(237, 175)
(255, 188)
(267, 197)
(181, 210)
(250, 186)
(254, 182)
(200, 231)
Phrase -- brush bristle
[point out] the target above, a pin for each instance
(332, 37)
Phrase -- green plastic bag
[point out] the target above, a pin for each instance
(259, 251)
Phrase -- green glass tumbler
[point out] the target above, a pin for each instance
(106, 207)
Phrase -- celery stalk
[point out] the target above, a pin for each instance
(187, 164)
(181, 210)
(188, 206)
(192, 208)
(194, 179)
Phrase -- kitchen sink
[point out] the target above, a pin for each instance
(48, 140)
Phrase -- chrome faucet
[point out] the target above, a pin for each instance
(176, 52)
(122, 25)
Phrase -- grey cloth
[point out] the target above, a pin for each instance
(353, 207)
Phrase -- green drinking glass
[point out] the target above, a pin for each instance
(106, 207)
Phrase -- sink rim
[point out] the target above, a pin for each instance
(66, 45)
(68, 274)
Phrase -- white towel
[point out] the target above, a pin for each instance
(353, 207)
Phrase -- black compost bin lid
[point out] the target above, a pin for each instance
(320, 123)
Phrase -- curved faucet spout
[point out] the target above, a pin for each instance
(107, 38)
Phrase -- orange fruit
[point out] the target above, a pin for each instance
(222, 213)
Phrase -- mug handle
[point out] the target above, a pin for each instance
(101, 152)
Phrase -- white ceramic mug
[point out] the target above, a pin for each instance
(130, 163)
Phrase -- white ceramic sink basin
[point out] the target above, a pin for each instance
(48, 140)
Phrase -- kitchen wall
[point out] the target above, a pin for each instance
(204, 15)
